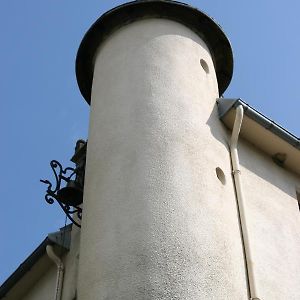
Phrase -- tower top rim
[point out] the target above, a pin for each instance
(203, 25)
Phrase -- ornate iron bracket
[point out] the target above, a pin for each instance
(67, 175)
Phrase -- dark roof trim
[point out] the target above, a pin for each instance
(225, 105)
(61, 238)
(196, 20)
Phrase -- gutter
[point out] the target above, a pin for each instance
(226, 104)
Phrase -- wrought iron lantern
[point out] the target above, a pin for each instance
(69, 197)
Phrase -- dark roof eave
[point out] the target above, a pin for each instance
(56, 238)
(199, 22)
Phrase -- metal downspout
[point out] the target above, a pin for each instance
(240, 201)
(60, 271)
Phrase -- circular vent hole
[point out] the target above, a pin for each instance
(204, 65)
(221, 176)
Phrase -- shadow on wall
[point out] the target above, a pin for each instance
(262, 165)
(254, 159)
(217, 129)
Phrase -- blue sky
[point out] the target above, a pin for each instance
(42, 113)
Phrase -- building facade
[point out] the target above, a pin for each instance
(187, 195)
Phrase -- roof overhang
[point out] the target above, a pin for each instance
(127, 13)
(265, 134)
(37, 262)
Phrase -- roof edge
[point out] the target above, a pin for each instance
(196, 20)
(226, 104)
(61, 238)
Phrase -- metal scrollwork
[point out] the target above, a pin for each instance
(65, 175)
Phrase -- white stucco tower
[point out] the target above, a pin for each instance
(157, 221)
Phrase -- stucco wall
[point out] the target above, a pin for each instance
(35, 282)
(44, 287)
(71, 266)
(157, 223)
(274, 224)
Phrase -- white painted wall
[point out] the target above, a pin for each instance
(274, 224)
(157, 223)
(44, 287)
(71, 266)
(39, 282)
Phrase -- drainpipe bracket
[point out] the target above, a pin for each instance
(239, 172)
